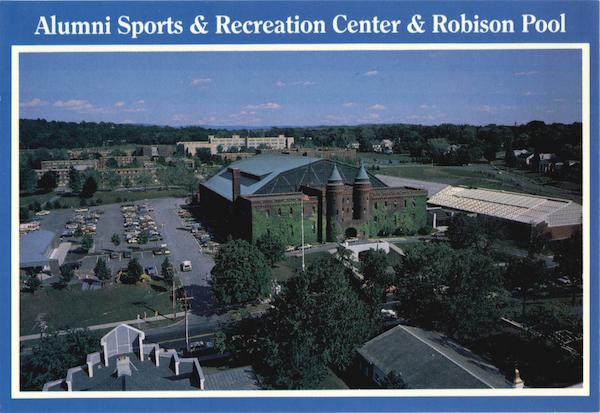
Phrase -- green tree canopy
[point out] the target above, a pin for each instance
(569, 256)
(317, 321)
(54, 355)
(87, 242)
(75, 180)
(48, 181)
(271, 247)
(101, 270)
(241, 273)
(89, 188)
(134, 272)
(455, 291)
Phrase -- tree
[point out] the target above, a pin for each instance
(90, 186)
(456, 291)
(569, 256)
(48, 181)
(463, 231)
(526, 274)
(66, 275)
(377, 279)
(87, 242)
(32, 282)
(317, 321)
(54, 354)
(509, 157)
(115, 239)
(392, 380)
(27, 177)
(134, 272)
(112, 180)
(112, 163)
(271, 247)
(101, 270)
(241, 273)
(75, 179)
(144, 179)
(143, 237)
(166, 270)
(24, 214)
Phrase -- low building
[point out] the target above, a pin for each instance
(277, 194)
(340, 154)
(427, 360)
(216, 145)
(126, 363)
(559, 218)
(42, 249)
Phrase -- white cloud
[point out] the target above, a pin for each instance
(349, 104)
(74, 104)
(268, 105)
(280, 83)
(527, 93)
(377, 106)
(420, 118)
(120, 104)
(372, 116)
(426, 106)
(33, 103)
(371, 73)
(201, 81)
(139, 102)
(528, 73)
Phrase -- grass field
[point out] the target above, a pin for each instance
(76, 308)
(486, 176)
(287, 268)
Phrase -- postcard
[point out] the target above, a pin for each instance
(307, 206)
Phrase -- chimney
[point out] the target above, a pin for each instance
(235, 183)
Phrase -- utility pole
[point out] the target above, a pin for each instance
(302, 227)
(186, 306)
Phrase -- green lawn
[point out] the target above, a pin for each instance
(382, 158)
(484, 176)
(30, 199)
(287, 268)
(76, 308)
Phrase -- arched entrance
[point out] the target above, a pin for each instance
(351, 233)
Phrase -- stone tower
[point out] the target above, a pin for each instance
(361, 195)
(334, 199)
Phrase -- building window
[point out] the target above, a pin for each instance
(405, 203)
(268, 213)
(375, 218)
(279, 211)
(385, 203)
(375, 205)
(414, 204)
(292, 230)
(291, 211)
(395, 204)
(314, 228)
(314, 209)
(337, 211)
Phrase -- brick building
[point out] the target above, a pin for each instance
(275, 194)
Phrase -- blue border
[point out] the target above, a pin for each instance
(17, 24)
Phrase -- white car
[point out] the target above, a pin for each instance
(186, 266)
(42, 213)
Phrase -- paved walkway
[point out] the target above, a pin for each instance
(113, 324)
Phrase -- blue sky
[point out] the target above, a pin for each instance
(303, 88)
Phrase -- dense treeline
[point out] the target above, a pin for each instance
(418, 140)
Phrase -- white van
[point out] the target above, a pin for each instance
(186, 266)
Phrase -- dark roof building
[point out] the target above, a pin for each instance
(427, 360)
(36, 250)
(277, 194)
(126, 363)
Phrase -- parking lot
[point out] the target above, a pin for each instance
(183, 246)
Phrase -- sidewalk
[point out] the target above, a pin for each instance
(110, 325)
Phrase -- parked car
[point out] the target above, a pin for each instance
(186, 266)
(152, 272)
(158, 251)
(127, 254)
(115, 255)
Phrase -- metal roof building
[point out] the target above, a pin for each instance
(35, 248)
(522, 208)
(277, 173)
(427, 360)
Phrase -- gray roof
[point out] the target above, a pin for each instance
(432, 188)
(362, 176)
(241, 378)
(335, 176)
(278, 173)
(256, 172)
(34, 247)
(429, 360)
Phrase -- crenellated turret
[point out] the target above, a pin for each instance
(334, 199)
(361, 194)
